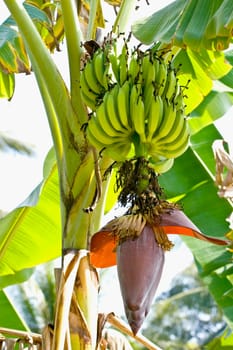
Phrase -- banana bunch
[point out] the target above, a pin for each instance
(95, 79)
(137, 104)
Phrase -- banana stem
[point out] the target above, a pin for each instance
(55, 87)
(52, 118)
(73, 40)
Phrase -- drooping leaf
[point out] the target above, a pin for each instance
(13, 57)
(196, 72)
(18, 277)
(201, 143)
(219, 288)
(214, 106)
(228, 78)
(195, 24)
(32, 235)
(47, 18)
(160, 26)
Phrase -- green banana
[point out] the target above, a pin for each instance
(148, 70)
(93, 140)
(138, 118)
(179, 100)
(123, 64)
(162, 166)
(170, 87)
(160, 76)
(97, 130)
(101, 68)
(111, 49)
(112, 113)
(148, 96)
(176, 148)
(103, 120)
(123, 97)
(115, 67)
(175, 130)
(154, 117)
(134, 68)
(90, 78)
(169, 115)
(119, 151)
(90, 100)
(134, 93)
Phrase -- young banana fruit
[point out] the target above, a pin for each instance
(137, 101)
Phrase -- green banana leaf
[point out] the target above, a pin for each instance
(195, 24)
(221, 343)
(17, 277)
(196, 73)
(9, 316)
(191, 183)
(213, 107)
(31, 234)
(13, 57)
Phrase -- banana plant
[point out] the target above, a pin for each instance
(73, 192)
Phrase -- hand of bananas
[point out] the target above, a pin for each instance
(137, 104)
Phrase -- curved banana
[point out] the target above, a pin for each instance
(177, 147)
(154, 117)
(138, 118)
(119, 151)
(179, 100)
(100, 134)
(134, 93)
(90, 97)
(103, 120)
(101, 68)
(90, 100)
(169, 116)
(123, 64)
(114, 66)
(175, 130)
(90, 78)
(148, 96)
(110, 101)
(148, 70)
(94, 141)
(123, 97)
(171, 85)
(162, 166)
(134, 68)
(160, 76)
